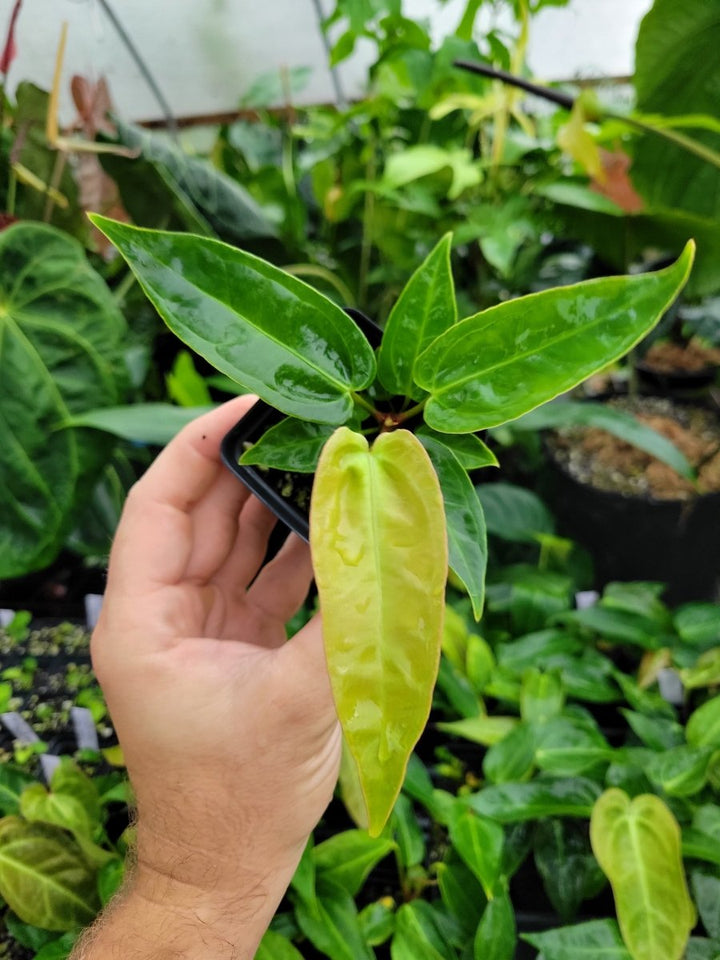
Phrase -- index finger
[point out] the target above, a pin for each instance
(186, 468)
(154, 540)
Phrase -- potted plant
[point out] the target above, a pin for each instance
(387, 519)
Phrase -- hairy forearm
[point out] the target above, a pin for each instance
(156, 917)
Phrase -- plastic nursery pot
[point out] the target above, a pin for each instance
(672, 541)
(270, 486)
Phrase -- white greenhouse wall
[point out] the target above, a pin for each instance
(205, 53)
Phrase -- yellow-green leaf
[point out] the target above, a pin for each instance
(638, 845)
(379, 546)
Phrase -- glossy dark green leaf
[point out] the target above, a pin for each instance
(640, 597)
(456, 688)
(163, 182)
(304, 879)
(566, 413)
(480, 729)
(565, 861)
(109, 879)
(377, 922)
(699, 624)
(568, 747)
(44, 878)
(467, 537)
(513, 802)
(408, 834)
(703, 727)
(425, 309)
(499, 364)
(541, 696)
(705, 672)
(583, 941)
(479, 843)
(496, 935)
(59, 949)
(60, 339)
(513, 757)
(460, 892)
(658, 733)
(154, 423)
(682, 771)
(470, 450)
(514, 513)
(379, 549)
(418, 934)
(348, 857)
(274, 946)
(618, 626)
(289, 445)
(637, 844)
(331, 924)
(676, 72)
(12, 783)
(700, 845)
(262, 327)
(530, 650)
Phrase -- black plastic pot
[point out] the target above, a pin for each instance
(683, 384)
(264, 483)
(675, 542)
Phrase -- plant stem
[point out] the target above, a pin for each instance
(54, 185)
(362, 402)
(123, 288)
(11, 192)
(315, 270)
(367, 228)
(413, 411)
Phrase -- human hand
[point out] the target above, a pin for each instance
(229, 733)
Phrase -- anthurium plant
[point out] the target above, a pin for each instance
(390, 437)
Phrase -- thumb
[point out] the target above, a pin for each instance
(303, 664)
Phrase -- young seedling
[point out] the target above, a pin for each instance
(390, 438)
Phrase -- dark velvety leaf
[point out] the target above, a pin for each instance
(467, 538)
(60, 340)
(513, 802)
(425, 309)
(496, 934)
(700, 948)
(289, 445)
(12, 783)
(706, 889)
(44, 877)
(583, 941)
(269, 331)
(499, 364)
(565, 861)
